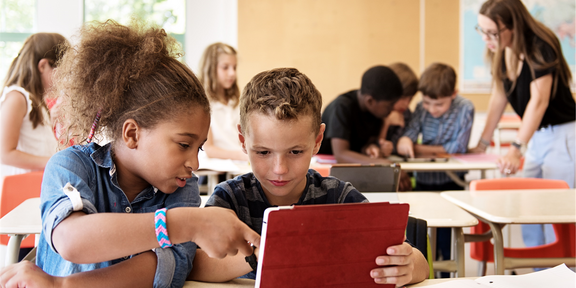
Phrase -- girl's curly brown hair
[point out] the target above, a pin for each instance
(123, 72)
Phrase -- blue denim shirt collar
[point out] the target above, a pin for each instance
(103, 157)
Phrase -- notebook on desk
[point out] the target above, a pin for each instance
(332, 245)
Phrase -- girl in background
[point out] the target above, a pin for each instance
(218, 76)
(104, 208)
(26, 137)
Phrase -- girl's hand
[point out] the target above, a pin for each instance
(477, 149)
(510, 163)
(26, 274)
(395, 118)
(221, 233)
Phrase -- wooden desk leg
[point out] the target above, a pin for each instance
(498, 248)
(13, 248)
(458, 235)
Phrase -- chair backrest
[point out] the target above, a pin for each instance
(417, 234)
(15, 190)
(369, 178)
(517, 183)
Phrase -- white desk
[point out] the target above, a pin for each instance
(247, 283)
(438, 212)
(450, 167)
(501, 207)
(24, 220)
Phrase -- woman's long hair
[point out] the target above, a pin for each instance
(527, 32)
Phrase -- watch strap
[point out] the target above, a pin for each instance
(252, 260)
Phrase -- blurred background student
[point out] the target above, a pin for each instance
(26, 136)
(218, 76)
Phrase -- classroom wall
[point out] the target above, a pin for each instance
(335, 41)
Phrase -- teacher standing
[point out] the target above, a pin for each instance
(529, 72)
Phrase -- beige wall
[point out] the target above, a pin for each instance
(335, 41)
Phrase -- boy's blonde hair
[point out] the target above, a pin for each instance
(407, 77)
(283, 92)
(209, 73)
(438, 80)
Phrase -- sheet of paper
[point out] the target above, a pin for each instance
(467, 158)
(557, 277)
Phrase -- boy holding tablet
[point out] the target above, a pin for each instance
(280, 130)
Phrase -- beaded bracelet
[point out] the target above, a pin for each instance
(161, 230)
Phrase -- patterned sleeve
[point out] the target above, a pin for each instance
(415, 127)
(459, 141)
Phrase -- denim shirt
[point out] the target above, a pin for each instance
(91, 170)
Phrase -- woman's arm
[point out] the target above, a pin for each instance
(12, 113)
(216, 152)
(94, 238)
(496, 107)
(539, 99)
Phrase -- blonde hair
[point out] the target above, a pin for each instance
(24, 69)
(209, 73)
(514, 15)
(283, 92)
(124, 73)
(407, 77)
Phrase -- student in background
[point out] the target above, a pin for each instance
(280, 131)
(354, 119)
(529, 72)
(26, 137)
(445, 121)
(395, 123)
(104, 207)
(218, 76)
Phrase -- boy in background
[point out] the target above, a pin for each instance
(354, 119)
(395, 124)
(280, 130)
(445, 121)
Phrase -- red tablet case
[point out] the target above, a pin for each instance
(333, 245)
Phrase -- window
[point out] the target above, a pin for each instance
(17, 22)
(168, 14)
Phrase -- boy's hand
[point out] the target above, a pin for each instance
(386, 147)
(373, 151)
(405, 147)
(397, 267)
(26, 274)
(221, 233)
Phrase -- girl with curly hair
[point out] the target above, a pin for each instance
(104, 208)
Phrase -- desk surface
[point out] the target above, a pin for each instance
(246, 283)
(430, 206)
(518, 206)
(451, 165)
(24, 219)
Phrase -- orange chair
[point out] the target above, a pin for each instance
(16, 189)
(564, 246)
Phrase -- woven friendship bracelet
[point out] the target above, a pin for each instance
(161, 231)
